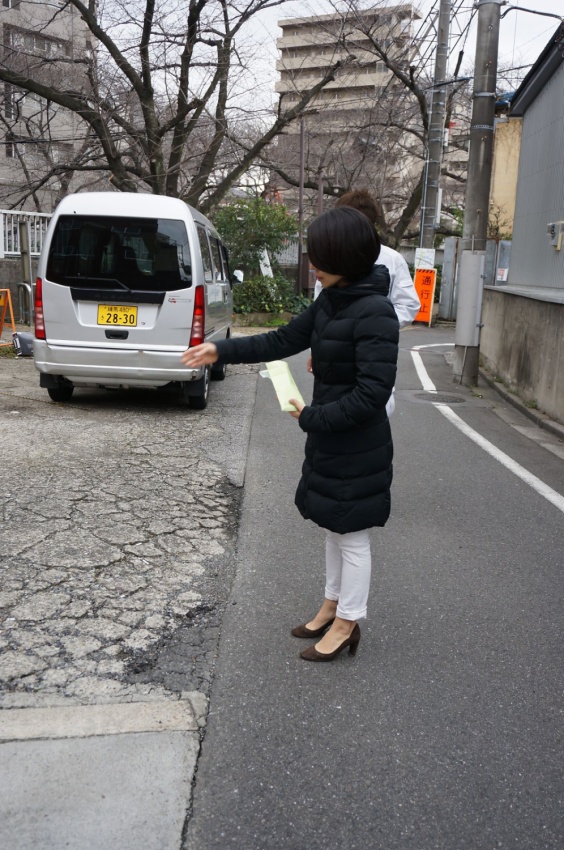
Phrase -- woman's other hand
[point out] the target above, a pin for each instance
(299, 407)
(309, 366)
(200, 355)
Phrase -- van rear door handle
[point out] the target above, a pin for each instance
(117, 334)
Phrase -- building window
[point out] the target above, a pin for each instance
(38, 45)
(10, 101)
(15, 149)
(61, 152)
(16, 99)
(36, 106)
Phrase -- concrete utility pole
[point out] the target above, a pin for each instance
(431, 212)
(474, 234)
(301, 207)
(320, 191)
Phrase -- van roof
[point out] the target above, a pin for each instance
(137, 204)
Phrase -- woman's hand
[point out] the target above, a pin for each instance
(309, 366)
(299, 407)
(200, 355)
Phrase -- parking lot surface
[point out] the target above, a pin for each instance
(119, 511)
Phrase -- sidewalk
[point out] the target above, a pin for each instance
(98, 776)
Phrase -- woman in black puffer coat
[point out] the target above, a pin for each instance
(352, 331)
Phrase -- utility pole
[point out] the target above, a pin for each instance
(474, 234)
(435, 139)
(320, 191)
(301, 206)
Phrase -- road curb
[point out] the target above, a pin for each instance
(541, 419)
(84, 721)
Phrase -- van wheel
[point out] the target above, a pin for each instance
(196, 394)
(218, 372)
(60, 393)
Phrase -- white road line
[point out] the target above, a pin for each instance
(528, 477)
(535, 483)
(426, 382)
(433, 345)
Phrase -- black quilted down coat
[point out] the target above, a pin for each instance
(353, 335)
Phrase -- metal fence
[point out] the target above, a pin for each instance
(10, 235)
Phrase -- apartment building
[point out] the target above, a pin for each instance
(344, 135)
(36, 135)
(309, 46)
(364, 128)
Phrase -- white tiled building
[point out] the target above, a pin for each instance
(309, 46)
(344, 121)
(36, 135)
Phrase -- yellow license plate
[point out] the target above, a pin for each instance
(117, 314)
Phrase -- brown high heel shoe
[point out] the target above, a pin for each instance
(304, 632)
(353, 640)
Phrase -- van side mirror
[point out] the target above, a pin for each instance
(237, 276)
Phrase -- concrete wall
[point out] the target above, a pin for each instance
(507, 145)
(522, 341)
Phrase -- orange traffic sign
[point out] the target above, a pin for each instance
(425, 282)
(6, 307)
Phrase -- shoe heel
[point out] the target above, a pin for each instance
(353, 646)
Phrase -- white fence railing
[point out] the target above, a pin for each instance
(10, 233)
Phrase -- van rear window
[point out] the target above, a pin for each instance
(119, 253)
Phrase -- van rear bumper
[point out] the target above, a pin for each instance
(86, 366)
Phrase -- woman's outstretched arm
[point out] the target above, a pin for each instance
(291, 339)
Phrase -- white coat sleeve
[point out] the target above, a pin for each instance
(402, 294)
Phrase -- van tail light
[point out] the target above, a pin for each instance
(198, 321)
(39, 317)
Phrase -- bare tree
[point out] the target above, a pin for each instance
(154, 87)
(380, 144)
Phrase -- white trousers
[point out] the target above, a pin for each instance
(347, 568)
(391, 404)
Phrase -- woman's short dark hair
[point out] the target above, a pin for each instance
(343, 241)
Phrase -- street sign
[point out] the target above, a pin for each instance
(424, 258)
(425, 282)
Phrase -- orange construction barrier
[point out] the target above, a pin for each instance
(6, 307)
(425, 282)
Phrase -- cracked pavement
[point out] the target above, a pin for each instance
(119, 514)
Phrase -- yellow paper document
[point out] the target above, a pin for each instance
(285, 386)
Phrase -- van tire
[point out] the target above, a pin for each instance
(218, 372)
(60, 393)
(196, 393)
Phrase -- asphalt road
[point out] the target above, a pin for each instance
(445, 730)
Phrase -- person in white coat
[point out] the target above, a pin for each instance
(402, 293)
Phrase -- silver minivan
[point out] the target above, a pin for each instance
(126, 282)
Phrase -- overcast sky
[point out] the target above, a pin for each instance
(522, 35)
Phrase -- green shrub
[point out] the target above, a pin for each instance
(248, 226)
(268, 295)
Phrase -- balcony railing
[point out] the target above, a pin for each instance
(10, 234)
